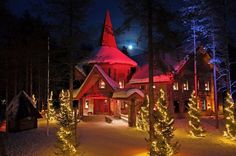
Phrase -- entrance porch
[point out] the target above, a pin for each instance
(95, 105)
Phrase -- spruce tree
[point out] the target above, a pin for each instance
(194, 117)
(66, 120)
(34, 101)
(143, 117)
(162, 144)
(230, 123)
(51, 112)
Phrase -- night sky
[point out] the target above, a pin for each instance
(96, 16)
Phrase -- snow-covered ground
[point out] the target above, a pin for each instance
(98, 138)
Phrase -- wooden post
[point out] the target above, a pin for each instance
(132, 115)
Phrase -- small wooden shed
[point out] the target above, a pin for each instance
(21, 114)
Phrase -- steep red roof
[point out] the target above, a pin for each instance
(108, 38)
(108, 52)
(142, 76)
(91, 80)
(111, 55)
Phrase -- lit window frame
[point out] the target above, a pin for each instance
(185, 86)
(176, 86)
(102, 84)
(207, 86)
(121, 84)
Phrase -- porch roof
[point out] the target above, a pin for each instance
(124, 94)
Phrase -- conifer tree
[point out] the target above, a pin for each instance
(194, 117)
(230, 123)
(34, 100)
(51, 112)
(143, 117)
(162, 144)
(66, 120)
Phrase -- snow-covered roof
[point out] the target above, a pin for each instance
(142, 76)
(80, 69)
(78, 92)
(125, 94)
(108, 51)
(20, 102)
(178, 66)
(111, 55)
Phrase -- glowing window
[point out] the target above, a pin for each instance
(185, 86)
(121, 84)
(86, 104)
(176, 86)
(102, 84)
(142, 87)
(204, 106)
(154, 86)
(207, 86)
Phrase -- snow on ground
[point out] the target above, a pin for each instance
(98, 138)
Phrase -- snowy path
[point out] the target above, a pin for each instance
(116, 139)
(98, 138)
(214, 144)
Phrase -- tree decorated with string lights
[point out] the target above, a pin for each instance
(194, 117)
(66, 121)
(163, 145)
(34, 100)
(230, 123)
(143, 116)
(51, 115)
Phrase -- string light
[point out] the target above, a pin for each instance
(163, 126)
(66, 121)
(230, 124)
(51, 115)
(163, 129)
(34, 101)
(194, 117)
(143, 116)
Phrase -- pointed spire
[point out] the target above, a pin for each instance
(108, 38)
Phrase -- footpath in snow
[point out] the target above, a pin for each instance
(99, 138)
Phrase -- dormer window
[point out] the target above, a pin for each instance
(207, 86)
(121, 84)
(102, 84)
(175, 86)
(185, 85)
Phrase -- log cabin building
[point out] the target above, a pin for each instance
(117, 85)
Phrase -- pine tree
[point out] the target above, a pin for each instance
(66, 120)
(143, 117)
(34, 101)
(230, 123)
(162, 145)
(194, 117)
(51, 112)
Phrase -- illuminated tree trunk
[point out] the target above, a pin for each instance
(48, 81)
(151, 93)
(195, 61)
(215, 81)
(30, 78)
